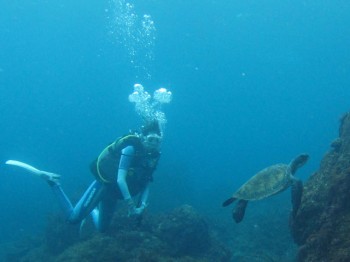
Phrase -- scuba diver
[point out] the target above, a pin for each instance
(122, 171)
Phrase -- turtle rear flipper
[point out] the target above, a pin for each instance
(297, 192)
(239, 211)
(228, 201)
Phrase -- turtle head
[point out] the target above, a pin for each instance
(297, 162)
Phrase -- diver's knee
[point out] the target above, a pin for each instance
(102, 227)
(73, 219)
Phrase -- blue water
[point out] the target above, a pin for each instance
(253, 82)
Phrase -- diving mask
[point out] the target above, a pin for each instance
(152, 141)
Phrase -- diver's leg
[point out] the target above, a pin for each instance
(103, 216)
(88, 202)
(62, 198)
(85, 205)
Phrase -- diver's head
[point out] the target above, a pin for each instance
(151, 141)
(151, 135)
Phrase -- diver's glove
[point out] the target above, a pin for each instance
(131, 207)
(139, 210)
(135, 211)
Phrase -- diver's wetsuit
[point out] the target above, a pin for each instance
(105, 195)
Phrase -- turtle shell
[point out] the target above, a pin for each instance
(267, 182)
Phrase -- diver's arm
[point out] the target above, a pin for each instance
(142, 204)
(123, 186)
(144, 197)
(124, 164)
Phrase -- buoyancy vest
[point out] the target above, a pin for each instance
(105, 167)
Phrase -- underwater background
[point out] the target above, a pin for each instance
(254, 83)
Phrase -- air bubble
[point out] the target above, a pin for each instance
(149, 108)
(136, 33)
(162, 95)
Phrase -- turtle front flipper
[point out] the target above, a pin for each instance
(239, 211)
(297, 192)
(297, 162)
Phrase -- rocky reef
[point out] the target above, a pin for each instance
(321, 227)
(181, 235)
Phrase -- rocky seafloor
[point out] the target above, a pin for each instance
(180, 235)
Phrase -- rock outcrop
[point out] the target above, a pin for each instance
(321, 227)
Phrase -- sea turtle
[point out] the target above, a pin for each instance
(267, 182)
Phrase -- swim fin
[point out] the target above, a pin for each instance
(50, 177)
